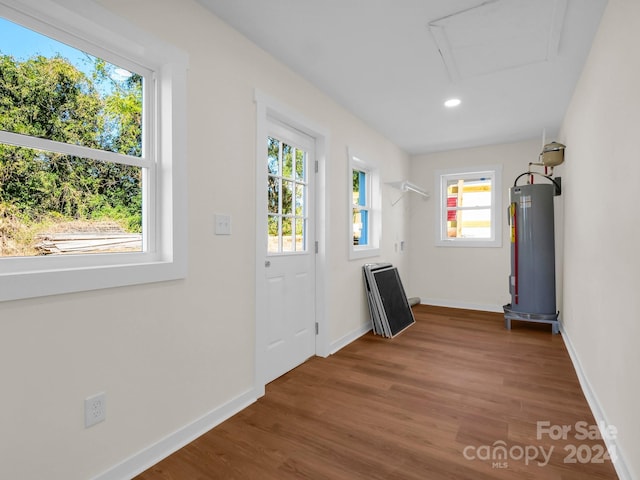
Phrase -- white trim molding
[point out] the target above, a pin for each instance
(160, 450)
(269, 107)
(439, 302)
(349, 338)
(617, 456)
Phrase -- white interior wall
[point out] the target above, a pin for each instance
(350, 310)
(601, 232)
(167, 354)
(464, 277)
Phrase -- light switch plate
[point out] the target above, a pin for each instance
(222, 224)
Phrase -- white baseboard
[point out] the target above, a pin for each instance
(348, 338)
(151, 455)
(598, 413)
(438, 302)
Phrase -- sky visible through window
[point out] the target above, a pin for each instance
(22, 43)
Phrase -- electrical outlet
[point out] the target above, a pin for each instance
(95, 409)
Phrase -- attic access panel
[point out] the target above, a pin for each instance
(499, 35)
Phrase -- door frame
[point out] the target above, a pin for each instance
(268, 107)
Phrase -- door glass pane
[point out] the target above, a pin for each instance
(287, 234)
(273, 150)
(300, 165)
(273, 235)
(300, 234)
(273, 192)
(287, 197)
(287, 161)
(300, 191)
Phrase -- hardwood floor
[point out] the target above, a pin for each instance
(436, 402)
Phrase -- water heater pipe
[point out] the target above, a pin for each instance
(553, 180)
(515, 253)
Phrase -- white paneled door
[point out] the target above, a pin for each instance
(289, 263)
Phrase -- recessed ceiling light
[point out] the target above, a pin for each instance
(452, 102)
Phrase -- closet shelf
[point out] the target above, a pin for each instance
(406, 186)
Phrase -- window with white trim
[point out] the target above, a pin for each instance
(361, 206)
(469, 207)
(364, 214)
(92, 146)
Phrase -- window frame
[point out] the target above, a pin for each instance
(164, 164)
(299, 141)
(363, 205)
(442, 178)
(373, 204)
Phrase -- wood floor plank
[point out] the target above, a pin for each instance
(435, 402)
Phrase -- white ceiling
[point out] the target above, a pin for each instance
(513, 63)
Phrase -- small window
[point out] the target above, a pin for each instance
(364, 211)
(361, 207)
(469, 207)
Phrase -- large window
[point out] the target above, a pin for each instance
(91, 147)
(469, 209)
(72, 151)
(364, 195)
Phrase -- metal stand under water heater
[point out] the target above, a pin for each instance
(532, 282)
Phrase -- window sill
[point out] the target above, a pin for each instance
(469, 243)
(15, 286)
(357, 253)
